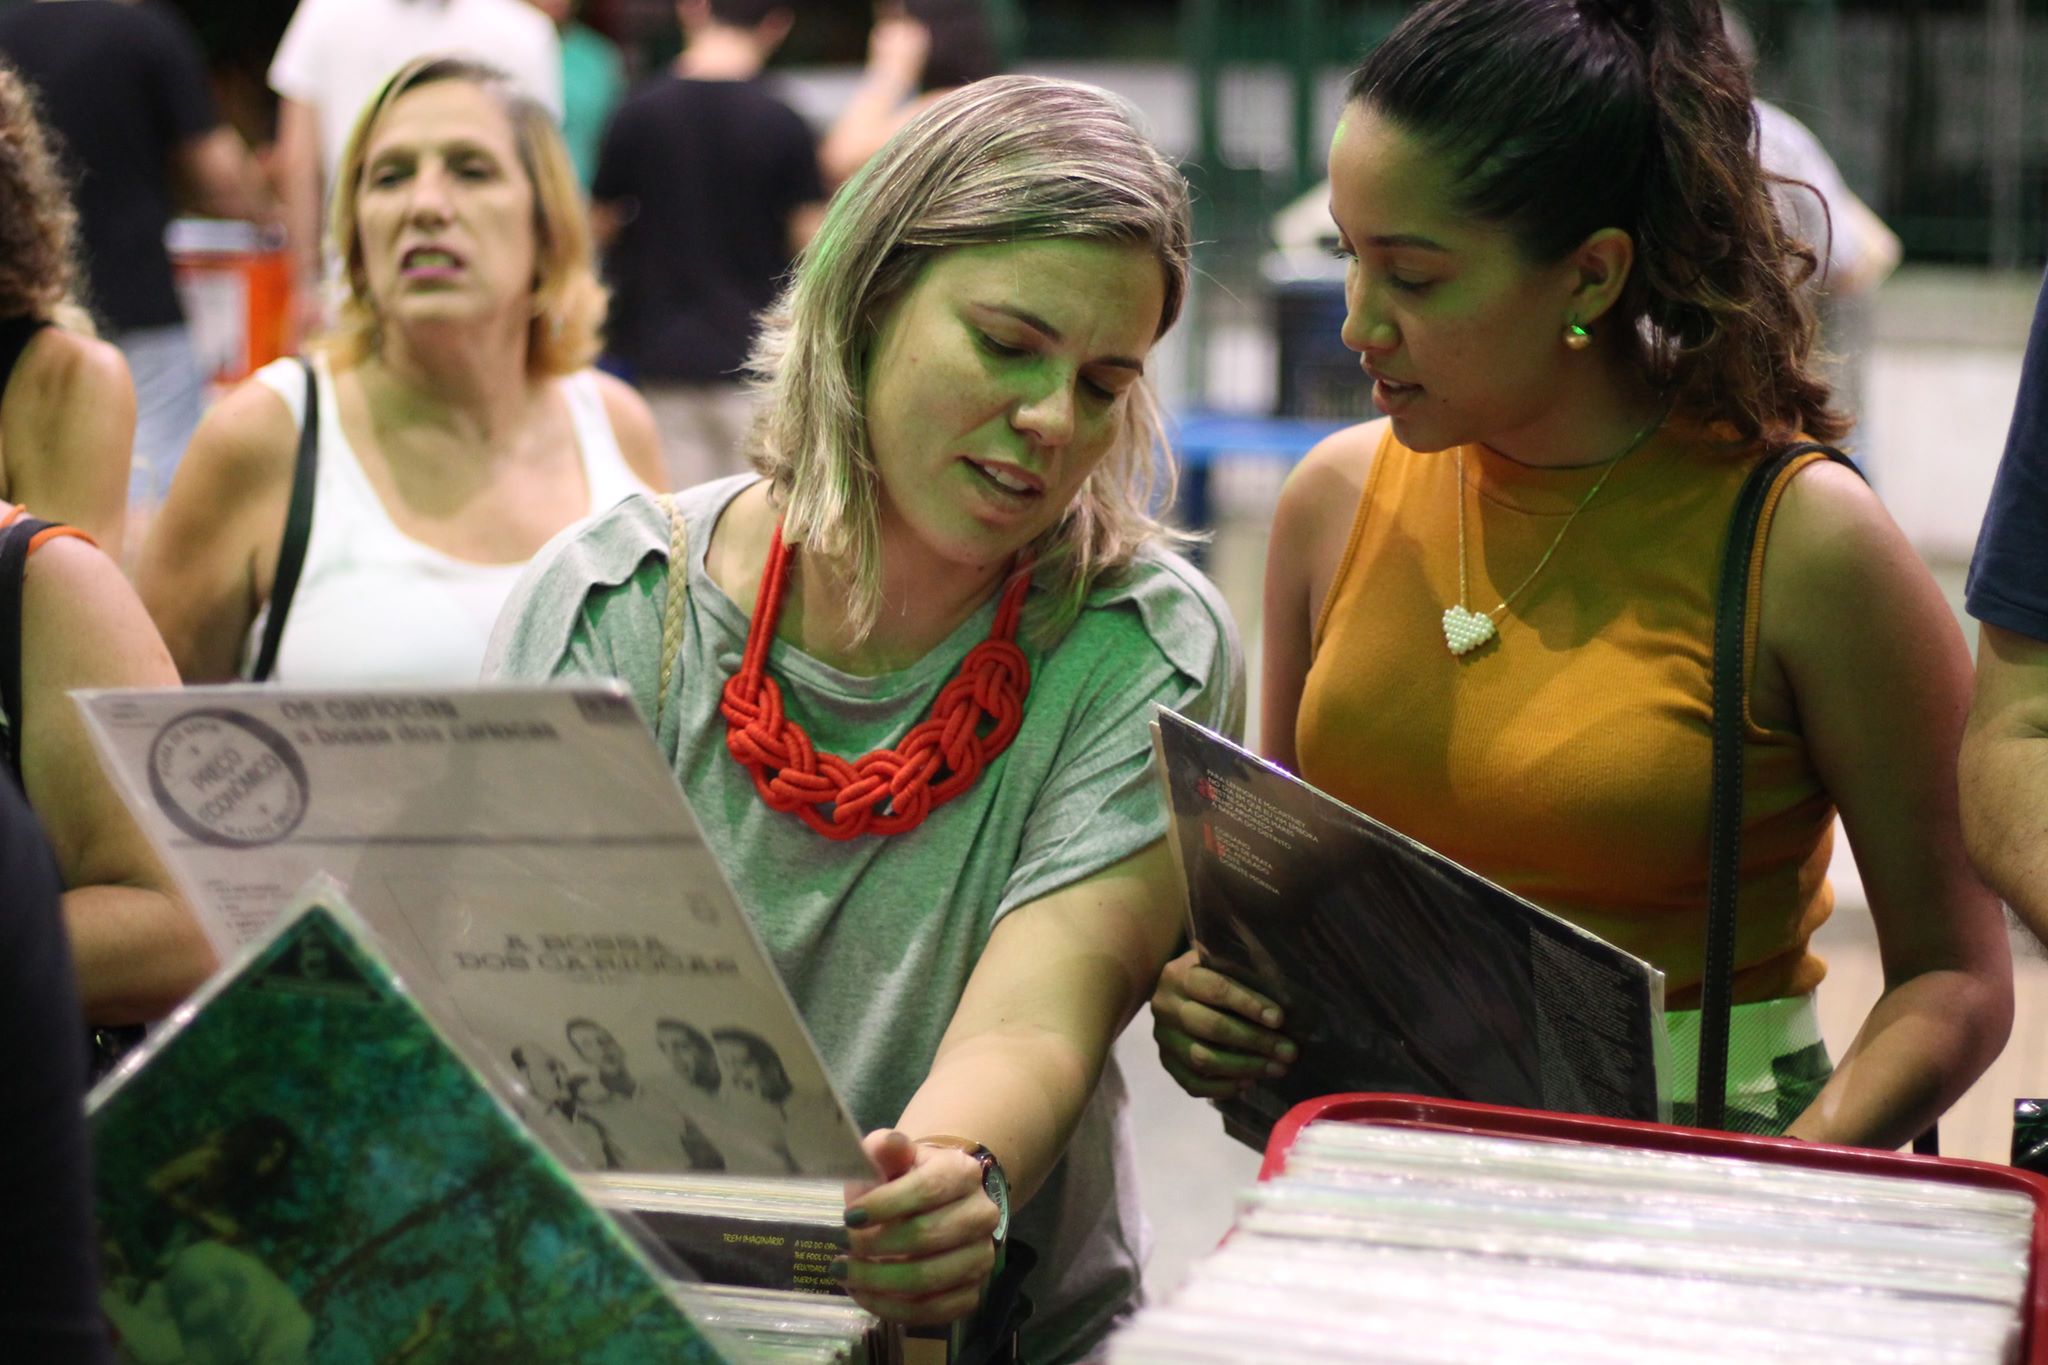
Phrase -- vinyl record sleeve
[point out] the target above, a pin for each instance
(728, 1230)
(1386, 1242)
(1398, 969)
(299, 1168)
(533, 868)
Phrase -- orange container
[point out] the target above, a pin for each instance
(236, 284)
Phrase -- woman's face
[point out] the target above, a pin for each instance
(1460, 333)
(998, 384)
(445, 210)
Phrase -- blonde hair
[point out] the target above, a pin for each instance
(568, 302)
(1009, 159)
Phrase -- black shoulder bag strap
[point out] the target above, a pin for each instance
(14, 543)
(1724, 829)
(298, 529)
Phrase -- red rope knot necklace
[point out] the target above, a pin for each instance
(887, 791)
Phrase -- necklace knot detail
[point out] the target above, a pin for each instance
(1465, 631)
(886, 791)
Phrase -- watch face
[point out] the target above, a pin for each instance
(997, 1186)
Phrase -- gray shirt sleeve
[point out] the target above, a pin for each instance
(554, 623)
(1170, 644)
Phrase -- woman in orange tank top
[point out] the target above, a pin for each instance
(1488, 617)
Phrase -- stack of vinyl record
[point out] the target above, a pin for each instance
(778, 1325)
(755, 1254)
(1411, 1245)
(757, 1232)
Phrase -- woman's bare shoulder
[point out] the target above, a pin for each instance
(71, 581)
(633, 427)
(250, 438)
(1326, 485)
(62, 367)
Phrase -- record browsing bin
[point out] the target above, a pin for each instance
(1484, 1120)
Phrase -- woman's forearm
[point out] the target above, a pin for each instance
(137, 953)
(1924, 1043)
(1058, 982)
(1019, 1092)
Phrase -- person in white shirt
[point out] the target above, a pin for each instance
(459, 425)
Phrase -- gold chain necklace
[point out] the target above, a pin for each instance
(1466, 630)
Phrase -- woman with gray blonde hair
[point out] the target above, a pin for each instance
(360, 514)
(947, 572)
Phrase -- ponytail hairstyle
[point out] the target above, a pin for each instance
(1565, 117)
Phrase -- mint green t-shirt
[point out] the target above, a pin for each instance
(874, 936)
(593, 79)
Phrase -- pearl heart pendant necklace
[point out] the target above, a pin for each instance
(1465, 629)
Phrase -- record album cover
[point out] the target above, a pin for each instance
(528, 860)
(298, 1168)
(1398, 969)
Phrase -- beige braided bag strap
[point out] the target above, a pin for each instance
(672, 611)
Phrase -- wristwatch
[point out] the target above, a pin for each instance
(994, 1183)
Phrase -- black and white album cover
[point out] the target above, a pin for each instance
(533, 866)
(1398, 969)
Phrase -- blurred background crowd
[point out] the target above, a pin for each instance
(1912, 119)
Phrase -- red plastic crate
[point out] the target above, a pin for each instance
(1458, 1116)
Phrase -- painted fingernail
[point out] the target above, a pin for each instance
(1275, 1069)
(1285, 1052)
(838, 1269)
(1271, 1018)
(856, 1218)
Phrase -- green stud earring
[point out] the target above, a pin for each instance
(1577, 337)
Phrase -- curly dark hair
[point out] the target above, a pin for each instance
(1569, 116)
(38, 226)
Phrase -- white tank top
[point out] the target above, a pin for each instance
(375, 605)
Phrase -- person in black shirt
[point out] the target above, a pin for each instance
(122, 84)
(706, 188)
(49, 1309)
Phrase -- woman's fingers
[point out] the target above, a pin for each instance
(936, 1177)
(1212, 988)
(930, 1311)
(918, 1286)
(922, 1242)
(1211, 1009)
(1226, 1036)
(932, 1232)
(1188, 1079)
(892, 1153)
(1203, 1023)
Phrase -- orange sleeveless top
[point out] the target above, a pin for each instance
(1570, 760)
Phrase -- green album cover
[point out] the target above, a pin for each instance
(302, 1171)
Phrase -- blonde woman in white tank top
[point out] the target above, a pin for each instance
(459, 426)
